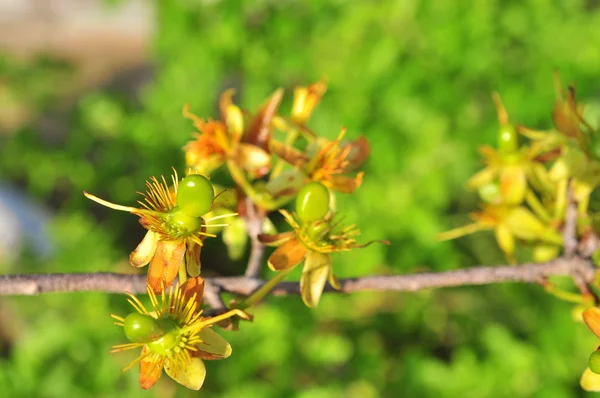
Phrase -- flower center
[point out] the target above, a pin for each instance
(179, 224)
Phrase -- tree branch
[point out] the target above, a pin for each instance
(118, 283)
(254, 219)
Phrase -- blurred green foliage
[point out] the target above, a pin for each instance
(415, 77)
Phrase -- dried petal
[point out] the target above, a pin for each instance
(190, 375)
(193, 286)
(288, 153)
(213, 346)
(277, 239)
(317, 268)
(145, 251)
(165, 264)
(288, 255)
(192, 258)
(259, 132)
(345, 184)
(359, 152)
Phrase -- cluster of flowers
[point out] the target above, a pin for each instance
(179, 215)
(525, 190)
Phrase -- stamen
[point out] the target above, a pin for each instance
(221, 216)
(108, 204)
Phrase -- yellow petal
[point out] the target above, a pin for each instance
(287, 255)
(145, 250)
(513, 185)
(317, 268)
(150, 371)
(165, 264)
(190, 375)
(333, 281)
(213, 346)
(505, 240)
(482, 177)
(590, 381)
(591, 317)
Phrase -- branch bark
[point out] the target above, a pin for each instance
(575, 266)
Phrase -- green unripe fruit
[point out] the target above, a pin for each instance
(140, 328)
(594, 147)
(594, 202)
(312, 202)
(195, 195)
(317, 230)
(508, 140)
(594, 362)
(181, 224)
(169, 341)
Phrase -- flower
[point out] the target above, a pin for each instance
(328, 161)
(590, 379)
(313, 243)
(246, 144)
(174, 335)
(306, 99)
(508, 223)
(174, 238)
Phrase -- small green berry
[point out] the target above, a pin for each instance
(140, 328)
(312, 202)
(180, 224)
(594, 362)
(195, 195)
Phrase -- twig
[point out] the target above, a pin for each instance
(118, 283)
(569, 231)
(254, 219)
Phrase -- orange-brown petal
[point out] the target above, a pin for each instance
(144, 252)
(345, 184)
(288, 153)
(277, 239)
(288, 255)
(193, 286)
(359, 152)
(192, 258)
(591, 317)
(150, 370)
(165, 264)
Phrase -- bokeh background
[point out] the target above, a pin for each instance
(90, 99)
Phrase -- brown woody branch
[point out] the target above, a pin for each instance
(577, 267)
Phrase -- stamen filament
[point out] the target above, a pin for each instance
(108, 204)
